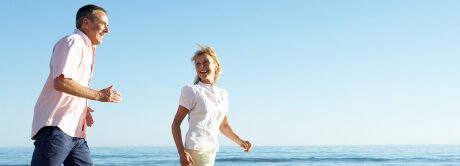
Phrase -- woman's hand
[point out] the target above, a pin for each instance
(186, 159)
(246, 145)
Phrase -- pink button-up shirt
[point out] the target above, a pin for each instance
(73, 57)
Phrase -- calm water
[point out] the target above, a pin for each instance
(267, 156)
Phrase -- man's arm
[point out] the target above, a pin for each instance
(71, 87)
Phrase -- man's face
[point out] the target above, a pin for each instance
(97, 28)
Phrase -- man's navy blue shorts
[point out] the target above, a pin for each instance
(53, 147)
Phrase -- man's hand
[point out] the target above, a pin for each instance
(89, 117)
(109, 95)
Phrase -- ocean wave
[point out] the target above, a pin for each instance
(334, 159)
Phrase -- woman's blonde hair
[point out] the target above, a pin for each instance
(209, 51)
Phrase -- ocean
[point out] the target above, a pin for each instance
(406, 155)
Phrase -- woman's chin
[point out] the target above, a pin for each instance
(206, 80)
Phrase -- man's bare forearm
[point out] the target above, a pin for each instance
(71, 87)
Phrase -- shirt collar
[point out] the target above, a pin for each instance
(204, 84)
(85, 38)
(207, 86)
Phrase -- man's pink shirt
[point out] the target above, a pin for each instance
(73, 57)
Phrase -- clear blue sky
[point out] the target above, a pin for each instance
(297, 72)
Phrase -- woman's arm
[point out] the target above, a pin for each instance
(226, 129)
(185, 158)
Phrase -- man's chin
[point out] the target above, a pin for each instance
(97, 43)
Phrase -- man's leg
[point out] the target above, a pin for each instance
(79, 155)
(51, 147)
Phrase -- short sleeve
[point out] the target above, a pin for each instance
(67, 57)
(225, 97)
(187, 97)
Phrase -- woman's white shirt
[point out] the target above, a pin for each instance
(207, 107)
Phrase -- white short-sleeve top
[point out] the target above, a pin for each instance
(207, 107)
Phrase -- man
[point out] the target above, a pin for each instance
(61, 112)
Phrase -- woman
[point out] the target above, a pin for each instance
(207, 107)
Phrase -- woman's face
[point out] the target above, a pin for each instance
(205, 68)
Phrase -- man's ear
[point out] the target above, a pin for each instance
(85, 23)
